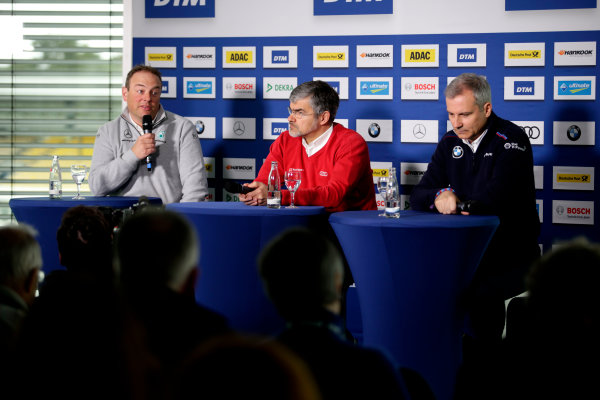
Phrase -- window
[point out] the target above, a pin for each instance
(60, 80)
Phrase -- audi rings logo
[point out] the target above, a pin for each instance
(457, 152)
(573, 133)
(419, 131)
(374, 130)
(560, 210)
(199, 127)
(408, 86)
(239, 128)
(533, 132)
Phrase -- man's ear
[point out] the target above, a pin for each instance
(487, 108)
(30, 285)
(124, 93)
(324, 118)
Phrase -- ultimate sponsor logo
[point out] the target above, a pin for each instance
(239, 57)
(374, 88)
(280, 57)
(578, 133)
(420, 55)
(419, 88)
(180, 9)
(523, 88)
(574, 88)
(169, 87)
(524, 54)
(411, 173)
(205, 127)
(239, 88)
(472, 55)
(199, 57)
(573, 178)
(419, 131)
(274, 127)
(239, 128)
(161, 57)
(379, 130)
(199, 88)
(330, 56)
(350, 7)
(339, 84)
(278, 88)
(375, 56)
(238, 168)
(534, 131)
(574, 53)
(572, 212)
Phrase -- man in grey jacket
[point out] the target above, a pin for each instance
(119, 160)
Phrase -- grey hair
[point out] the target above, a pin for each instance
(20, 252)
(473, 82)
(322, 97)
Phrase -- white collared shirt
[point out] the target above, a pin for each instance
(475, 144)
(318, 143)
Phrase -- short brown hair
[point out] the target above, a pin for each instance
(141, 67)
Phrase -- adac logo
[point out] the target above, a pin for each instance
(466, 55)
(160, 57)
(238, 57)
(522, 88)
(525, 54)
(375, 87)
(280, 57)
(277, 128)
(331, 56)
(419, 55)
(569, 88)
(204, 87)
(457, 152)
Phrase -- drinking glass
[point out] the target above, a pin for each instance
(292, 181)
(382, 183)
(78, 172)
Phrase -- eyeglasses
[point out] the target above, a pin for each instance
(299, 114)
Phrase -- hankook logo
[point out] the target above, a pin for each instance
(239, 167)
(239, 128)
(374, 130)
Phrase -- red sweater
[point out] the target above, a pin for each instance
(338, 177)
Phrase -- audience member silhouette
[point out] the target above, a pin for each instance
(302, 274)
(238, 367)
(157, 257)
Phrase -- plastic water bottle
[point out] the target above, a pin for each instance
(274, 187)
(392, 196)
(55, 191)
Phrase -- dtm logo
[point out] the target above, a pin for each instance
(569, 88)
(277, 128)
(165, 87)
(180, 8)
(280, 57)
(348, 7)
(524, 88)
(335, 85)
(375, 87)
(466, 55)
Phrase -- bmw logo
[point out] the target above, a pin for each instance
(457, 152)
(199, 127)
(374, 130)
(573, 133)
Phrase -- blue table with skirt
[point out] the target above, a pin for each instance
(409, 274)
(231, 235)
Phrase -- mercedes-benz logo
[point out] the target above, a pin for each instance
(533, 132)
(374, 130)
(408, 86)
(239, 128)
(574, 133)
(127, 134)
(199, 127)
(419, 131)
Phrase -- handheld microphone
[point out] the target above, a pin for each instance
(234, 187)
(147, 126)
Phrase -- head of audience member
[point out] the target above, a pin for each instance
(84, 240)
(469, 105)
(563, 291)
(234, 366)
(142, 90)
(20, 260)
(313, 106)
(157, 248)
(302, 273)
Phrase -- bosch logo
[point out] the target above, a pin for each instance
(199, 127)
(243, 86)
(574, 133)
(239, 128)
(374, 130)
(457, 152)
(419, 131)
(578, 211)
(533, 132)
(424, 86)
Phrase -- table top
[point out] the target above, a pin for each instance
(238, 208)
(412, 219)
(67, 201)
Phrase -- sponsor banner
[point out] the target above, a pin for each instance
(169, 87)
(405, 202)
(375, 130)
(209, 165)
(239, 88)
(239, 128)
(375, 88)
(375, 56)
(574, 133)
(340, 84)
(523, 88)
(180, 9)
(199, 57)
(206, 127)
(574, 53)
(524, 54)
(239, 168)
(411, 173)
(330, 56)
(538, 176)
(280, 57)
(467, 55)
(449, 126)
(161, 57)
(273, 127)
(572, 212)
(199, 88)
(419, 131)
(419, 88)
(539, 205)
(518, 5)
(239, 57)
(350, 7)
(211, 194)
(230, 197)
(420, 55)
(278, 88)
(534, 131)
(574, 88)
(380, 168)
(573, 178)
(342, 121)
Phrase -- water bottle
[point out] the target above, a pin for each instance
(274, 187)
(392, 196)
(55, 191)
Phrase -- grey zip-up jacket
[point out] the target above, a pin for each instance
(178, 172)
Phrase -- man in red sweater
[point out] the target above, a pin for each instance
(334, 160)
